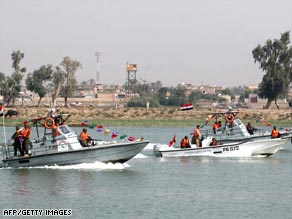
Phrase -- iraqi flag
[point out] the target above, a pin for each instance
(187, 106)
(171, 143)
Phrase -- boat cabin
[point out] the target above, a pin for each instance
(231, 128)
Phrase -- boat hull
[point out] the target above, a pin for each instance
(264, 147)
(115, 153)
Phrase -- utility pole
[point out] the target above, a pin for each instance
(97, 78)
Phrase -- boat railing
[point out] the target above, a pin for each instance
(225, 132)
(231, 132)
(6, 150)
(41, 147)
(260, 131)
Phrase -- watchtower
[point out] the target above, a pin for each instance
(131, 76)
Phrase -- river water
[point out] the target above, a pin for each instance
(151, 187)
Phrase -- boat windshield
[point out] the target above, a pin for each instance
(64, 130)
(238, 122)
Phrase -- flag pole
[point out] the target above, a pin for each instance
(4, 131)
(5, 142)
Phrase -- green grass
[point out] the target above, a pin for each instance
(171, 122)
(142, 122)
(12, 122)
(149, 122)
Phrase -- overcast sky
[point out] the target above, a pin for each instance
(174, 41)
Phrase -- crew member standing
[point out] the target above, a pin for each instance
(26, 139)
(197, 136)
(17, 137)
(215, 127)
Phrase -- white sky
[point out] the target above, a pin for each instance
(174, 41)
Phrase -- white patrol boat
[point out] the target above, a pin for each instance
(261, 147)
(232, 134)
(66, 149)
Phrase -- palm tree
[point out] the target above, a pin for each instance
(14, 81)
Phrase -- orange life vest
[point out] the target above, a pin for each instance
(19, 134)
(84, 136)
(275, 133)
(185, 142)
(27, 133)
(216, 126)
(197, 133)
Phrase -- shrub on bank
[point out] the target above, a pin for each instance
(142, 101)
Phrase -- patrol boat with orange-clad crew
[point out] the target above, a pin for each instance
(66, 148)
(230, 132)
(260, 147)
(232, 129)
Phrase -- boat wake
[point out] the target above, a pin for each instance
(89, 166)
(97, 166)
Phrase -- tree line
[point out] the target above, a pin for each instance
(274, 58)
(58, 80)
(176, 96)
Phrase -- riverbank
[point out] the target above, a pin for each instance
(159, 117)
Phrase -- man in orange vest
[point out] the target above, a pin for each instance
(85, 137)
(185, 142)
(275, 133)
(215, 127)
(26, 139)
